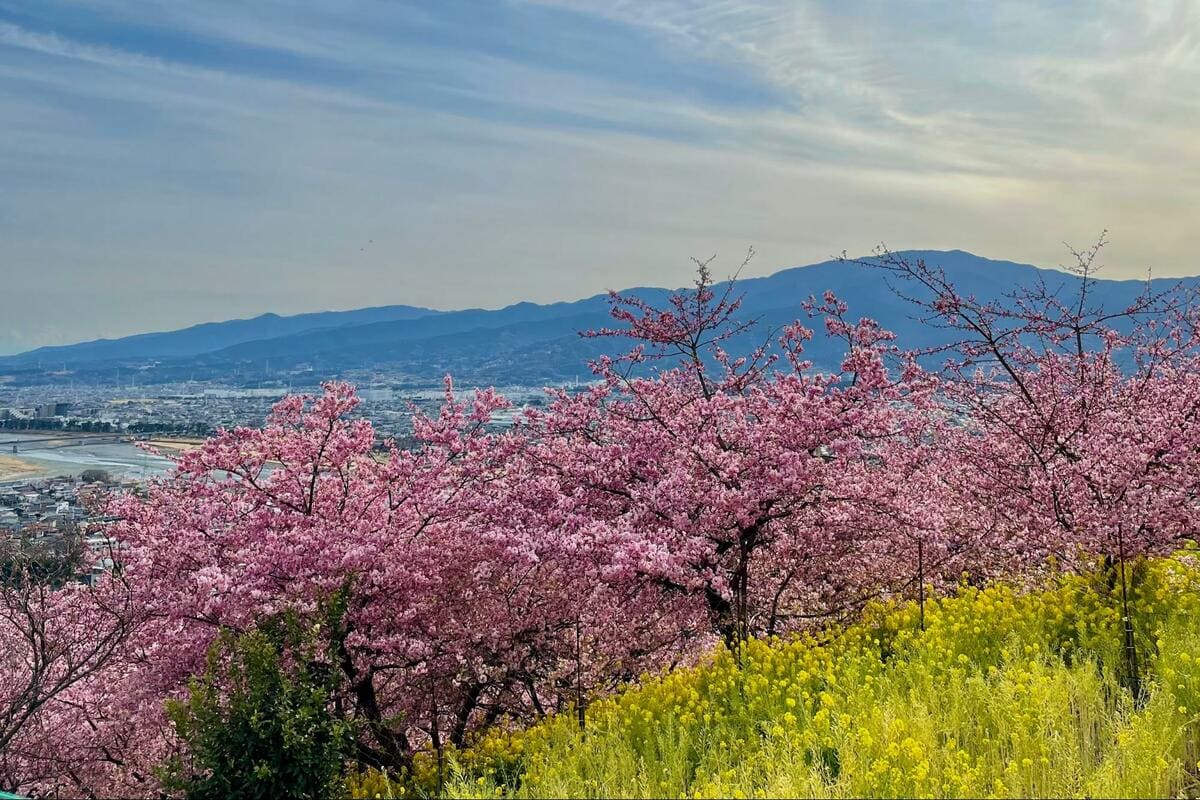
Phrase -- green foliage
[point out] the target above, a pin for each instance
(258, 723)
(95, 476)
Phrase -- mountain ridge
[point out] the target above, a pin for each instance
(151, 346)
(524, 341)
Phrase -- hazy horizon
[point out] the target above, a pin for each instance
(746, 272)
(171, 165)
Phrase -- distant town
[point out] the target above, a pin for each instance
(199, 410)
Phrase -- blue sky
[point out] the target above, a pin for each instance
(168, 163)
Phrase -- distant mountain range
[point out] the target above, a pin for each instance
(207, 337)
(524, 343)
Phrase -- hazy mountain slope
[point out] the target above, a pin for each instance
(363, 339)
(207, 336)
(530, 343)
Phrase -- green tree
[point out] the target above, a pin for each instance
(95, 476)
(258, 723)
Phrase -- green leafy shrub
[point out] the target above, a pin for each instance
(258, 723)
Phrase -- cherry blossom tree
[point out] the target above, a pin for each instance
(1077, 430)
(56, 635)
(466, 600)
(749, 484)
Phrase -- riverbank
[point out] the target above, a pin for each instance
(15, 469)
(175, 445)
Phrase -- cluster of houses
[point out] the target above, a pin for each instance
(51, 515)
(45, 506)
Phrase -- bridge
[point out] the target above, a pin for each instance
(54, 441)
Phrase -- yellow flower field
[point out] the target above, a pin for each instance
(1004, 694)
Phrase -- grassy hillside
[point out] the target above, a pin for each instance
(1003, 694)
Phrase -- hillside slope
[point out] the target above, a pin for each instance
(1003, 694)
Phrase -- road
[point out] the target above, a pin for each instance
(55, 440)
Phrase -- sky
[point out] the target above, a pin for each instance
(167, 163)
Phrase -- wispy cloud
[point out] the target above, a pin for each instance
(53, 45)
(493, 152)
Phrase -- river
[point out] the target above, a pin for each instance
(119, 459)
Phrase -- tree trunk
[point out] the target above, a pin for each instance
(435, 738)
(1133, 679)
(725, 620)
(579, 707)
(396, 752)
(921, 580)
